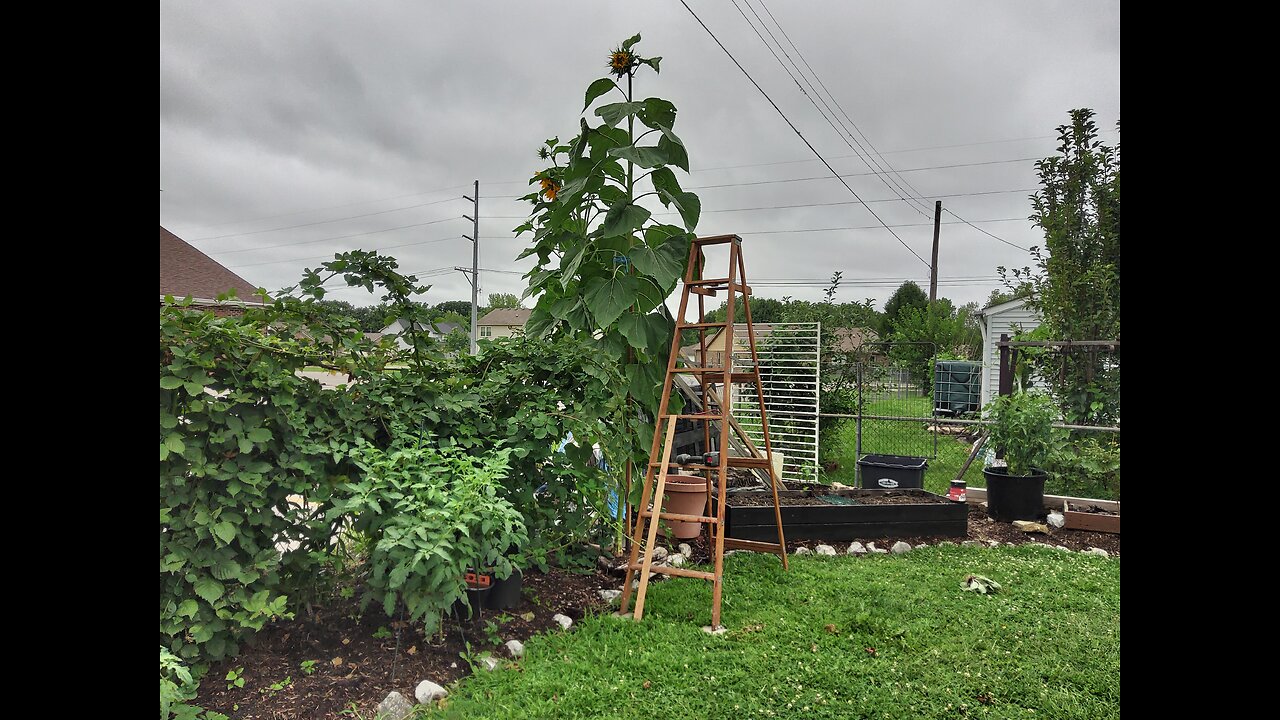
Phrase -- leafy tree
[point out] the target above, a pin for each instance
(937, 330)
(462, 308)
(908, 295)
(1076, 278)
(500, 300)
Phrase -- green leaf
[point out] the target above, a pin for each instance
(209, 589)
(596, 89)
(673, 150)
(633, 328)
(664, 181)
(570, 262)
(653, 63)
(175, 445)
(630, 42)
(658, 113)
(258, 435)
(664, 264)
(622, 219)
(193, 388)
(606, 299)
(614, 113)
(169, 382)
(645, 157)
(225, 532)
(188, 608)
(648, 295)
(688, 204)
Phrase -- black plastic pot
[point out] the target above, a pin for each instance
(505, 594)
(1014, 497)
(469, 609)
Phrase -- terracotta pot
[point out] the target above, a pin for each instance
(686, 495)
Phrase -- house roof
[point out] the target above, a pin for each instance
(506, 316)
(1002, 307)
(445, 328)
(850, 339)
(184, 271)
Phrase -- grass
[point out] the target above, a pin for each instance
(882, 636)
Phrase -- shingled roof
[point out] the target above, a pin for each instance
(184, 271)
(506, 316)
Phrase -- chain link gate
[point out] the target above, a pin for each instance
(896, 414)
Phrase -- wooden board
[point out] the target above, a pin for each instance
(1092, 521)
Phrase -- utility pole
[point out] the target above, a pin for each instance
(475, 264)
(933, 268)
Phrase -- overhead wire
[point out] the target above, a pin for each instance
(813, 149)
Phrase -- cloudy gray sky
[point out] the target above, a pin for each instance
(293, 130)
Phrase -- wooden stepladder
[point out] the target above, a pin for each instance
(716, 417)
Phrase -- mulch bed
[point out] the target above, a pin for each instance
(353, 668)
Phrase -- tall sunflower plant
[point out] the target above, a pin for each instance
(604, 263)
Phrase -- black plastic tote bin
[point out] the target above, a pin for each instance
(889, 472)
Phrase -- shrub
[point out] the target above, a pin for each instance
(431, 513)
(1022, 426)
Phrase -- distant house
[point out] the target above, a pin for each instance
(436, 331)
(847, 340)
(503, 322)
(1001, 318)
(185, 271)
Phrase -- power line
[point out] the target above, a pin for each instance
(984, 232)
(325, 222)
(314, 257)
(828, 229)
(828, 114)
(845, 175)
(335, 207)
(805, 205)
(899, 181)
(336, 237)
(797, 130)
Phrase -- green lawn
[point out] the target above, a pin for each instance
(798, 645)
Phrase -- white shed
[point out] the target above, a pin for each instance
(1006, 318)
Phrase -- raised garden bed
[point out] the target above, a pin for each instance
(821, 514)
(1091, 517)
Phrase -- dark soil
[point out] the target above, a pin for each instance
(352, 667)
(857, 497)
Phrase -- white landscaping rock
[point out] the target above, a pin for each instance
(394, 707)
(610, 595)
(515, 648)
(676, 560)
(803, 551)
(428, 692)
(857, 548)
(714, 631)
(872, 547)
(1097, 551)
(490, 663)
(825, 550)
(1064, 548)
(901, 547)
(921, 546)
(685, 549)
(993, 543)
(565, 621)
(1056, 519)
(660, 553)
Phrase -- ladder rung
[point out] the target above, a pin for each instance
(734, 543)
(707, 292)
(715, 240)
(710, 281)
(735, 461)
(694, 326)
(680, 517)
(692, 370)
(700, 416)
(738, 377)
(668, 570)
